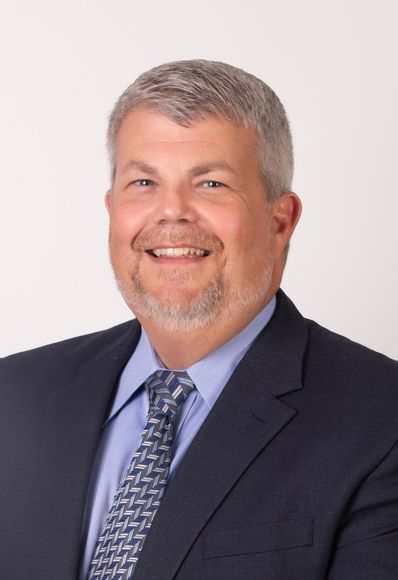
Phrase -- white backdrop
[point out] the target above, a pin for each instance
(64, 63)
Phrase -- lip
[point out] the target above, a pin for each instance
(185, 244)
(176, 262)
(183, 258)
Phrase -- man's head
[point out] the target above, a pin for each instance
(186, 91)
(200, 207)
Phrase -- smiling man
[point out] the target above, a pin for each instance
(195, 244)
(220, 435)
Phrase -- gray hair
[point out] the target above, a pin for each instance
(190, 90)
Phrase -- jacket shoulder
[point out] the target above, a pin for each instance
(345, 348)
(65, 357)
(350, 366)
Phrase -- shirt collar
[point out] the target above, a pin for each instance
(142, 363)
(219, 364)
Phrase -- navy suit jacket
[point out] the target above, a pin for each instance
(293, 475)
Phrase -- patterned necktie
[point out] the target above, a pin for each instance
(140, 491)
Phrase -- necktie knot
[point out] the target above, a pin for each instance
(167, 391)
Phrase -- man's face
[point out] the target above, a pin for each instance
(193, 239)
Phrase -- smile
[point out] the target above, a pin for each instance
(178, 252)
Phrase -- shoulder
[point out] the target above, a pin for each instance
(343, 384)
(350, 381)
(342, 355)
(66, 358)
(325, 353)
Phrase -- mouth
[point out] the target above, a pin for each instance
(174, 252)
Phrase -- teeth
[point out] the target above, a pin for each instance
(178, 252)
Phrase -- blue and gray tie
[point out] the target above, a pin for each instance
(140, 491)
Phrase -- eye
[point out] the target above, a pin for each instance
(212, 184)
(142, 182)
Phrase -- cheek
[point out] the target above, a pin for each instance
(252, 247)
(124, 225)
(122, 232)
(243, 234)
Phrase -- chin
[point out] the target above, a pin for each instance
(175, 310)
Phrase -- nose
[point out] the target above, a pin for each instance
(176, 204)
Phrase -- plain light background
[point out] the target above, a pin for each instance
(63, 65)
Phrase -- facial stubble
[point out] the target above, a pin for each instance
(214, 302)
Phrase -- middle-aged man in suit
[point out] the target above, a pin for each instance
(220, 435)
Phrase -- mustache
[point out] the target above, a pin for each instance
(192, 235)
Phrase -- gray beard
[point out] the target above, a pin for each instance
(199, 313)
(212, 303)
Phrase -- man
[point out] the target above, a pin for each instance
(220, 435)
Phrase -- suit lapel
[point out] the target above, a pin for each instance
(245, 418)
(70, 433)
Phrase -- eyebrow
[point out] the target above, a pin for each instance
(195, 171)
(213, 166)
(144, 167)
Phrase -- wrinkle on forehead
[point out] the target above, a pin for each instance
(196, 170)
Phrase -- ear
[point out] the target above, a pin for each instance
(286, 212)
(108, 200)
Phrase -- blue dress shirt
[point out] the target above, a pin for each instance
(123, 428)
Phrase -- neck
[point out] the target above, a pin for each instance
(179, 350)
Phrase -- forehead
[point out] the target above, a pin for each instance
(148, 132)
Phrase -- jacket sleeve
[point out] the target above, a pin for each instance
(367, 541)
